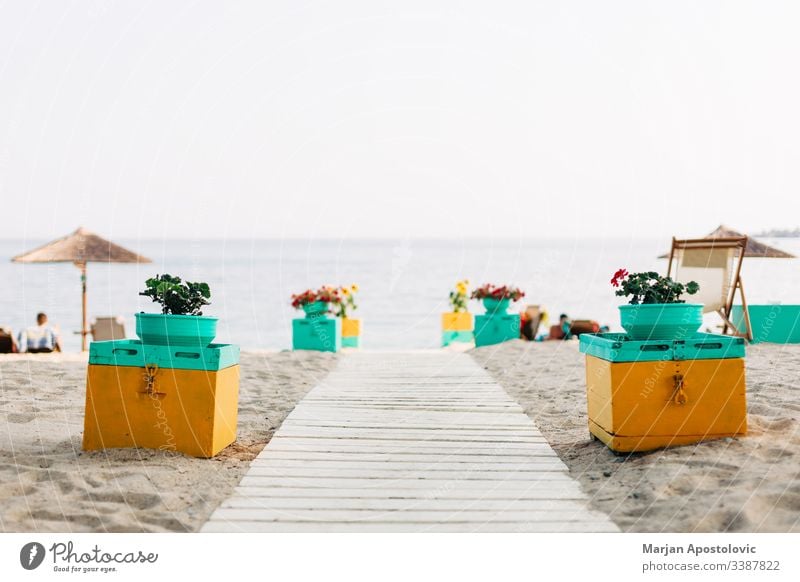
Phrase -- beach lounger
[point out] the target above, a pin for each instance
(108, 328)
(581, 326)
(716, 265)
(531, 319)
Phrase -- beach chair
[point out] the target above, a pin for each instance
(716, 265)
(581, 326)
(107, 328)
(531, 320)
(556, 333)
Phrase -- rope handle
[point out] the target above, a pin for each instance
(679, 395)
(150, 371)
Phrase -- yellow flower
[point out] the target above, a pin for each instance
(345, 291)
(354, 288)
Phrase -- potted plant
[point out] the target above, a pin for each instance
(457, 323)
(317, 331)
(496, 299)
(181, 321)
(316, 304)
(351, 328)
(655, 309)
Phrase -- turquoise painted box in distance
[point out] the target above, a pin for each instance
(130, 352)
(321, 334)
(452, 337)
(351, 341)
(777, 324)
(616, 347)
(495, 329)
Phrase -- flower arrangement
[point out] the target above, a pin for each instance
(348, 300)
(649, 287)
(501, 292)
(459, 297)
(325, 294)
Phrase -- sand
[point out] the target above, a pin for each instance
(749, 484)
(48, 484)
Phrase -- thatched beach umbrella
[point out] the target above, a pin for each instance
(81, 247)
(753, 248)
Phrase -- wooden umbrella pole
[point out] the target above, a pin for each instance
(82, 267)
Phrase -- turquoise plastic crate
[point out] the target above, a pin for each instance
(136, 354)
(495, 329)
(777, 324)
(319, 334)
(352, 341)
(454, 337)
(616, 347)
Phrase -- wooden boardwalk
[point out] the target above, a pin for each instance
(407, 442)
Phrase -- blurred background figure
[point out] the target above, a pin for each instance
(7, 344)
(39, 339)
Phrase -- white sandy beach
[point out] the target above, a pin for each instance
(749, 484)
(49, 484)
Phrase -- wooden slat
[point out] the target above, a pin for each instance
(578, 514)
(409, 453)
(398, 472)
(432, 483)
(446, 492)
(445, 505)
(589, 525)
(428, 463)
(454, 444)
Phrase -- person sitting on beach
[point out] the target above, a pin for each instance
(560, 331)
(565, 325)
(40, 339)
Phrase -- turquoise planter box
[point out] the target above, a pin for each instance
(455, 337)
(175, 330)
(495, 329)
(134, 353)
(351, 341)
(618, 347)
(777, 324)
(661, 321)
(319, 333)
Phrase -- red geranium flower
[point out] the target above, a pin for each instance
(618, 277)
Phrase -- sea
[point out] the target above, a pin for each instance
(404, 283)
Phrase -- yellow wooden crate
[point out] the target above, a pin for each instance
(640, 406)
(457, 321)
(351, 327)
(190, 411)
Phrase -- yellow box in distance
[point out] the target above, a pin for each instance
(351, 327)
(457, 321)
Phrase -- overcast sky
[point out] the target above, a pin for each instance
(351, 119)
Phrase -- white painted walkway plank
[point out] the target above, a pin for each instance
(576, 514)
(598, 524)
(407, 442)
(364, 504)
